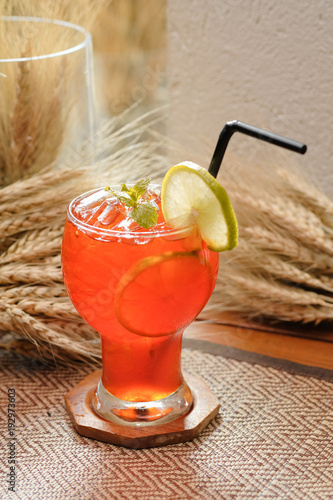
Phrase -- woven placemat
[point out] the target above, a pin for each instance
(272, 439)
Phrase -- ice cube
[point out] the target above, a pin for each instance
(88, 206)
(127, 224)
(109, 214)
(93, 198)
(95, 213)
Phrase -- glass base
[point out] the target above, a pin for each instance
(142, 413)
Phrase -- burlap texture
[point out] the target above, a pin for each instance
(272, 439)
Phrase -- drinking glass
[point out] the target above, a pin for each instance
(139, 289)
(46, 93)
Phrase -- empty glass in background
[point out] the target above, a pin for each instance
(46, 93)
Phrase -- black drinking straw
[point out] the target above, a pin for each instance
(236, 126)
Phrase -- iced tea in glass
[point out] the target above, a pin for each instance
(139, 289)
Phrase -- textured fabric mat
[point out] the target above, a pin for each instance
(272, 439)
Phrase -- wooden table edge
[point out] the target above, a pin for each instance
(305, 351)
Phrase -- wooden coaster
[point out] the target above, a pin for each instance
(89, 424)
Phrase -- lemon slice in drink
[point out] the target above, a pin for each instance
(191, 195)
(162, 294)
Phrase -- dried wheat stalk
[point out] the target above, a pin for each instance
(34, 245)
(307, 194)
(273, 265)
(261, 299)
(284, 213)
(271, 242)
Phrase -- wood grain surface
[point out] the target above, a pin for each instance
(307, 345)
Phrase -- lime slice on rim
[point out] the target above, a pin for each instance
(162, 294)
(191, 195)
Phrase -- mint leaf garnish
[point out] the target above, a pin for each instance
(141, 186)
(143, 212)
(126, 199)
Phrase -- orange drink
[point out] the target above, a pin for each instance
(139, 288)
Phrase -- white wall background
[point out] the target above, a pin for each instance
(265, 62)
